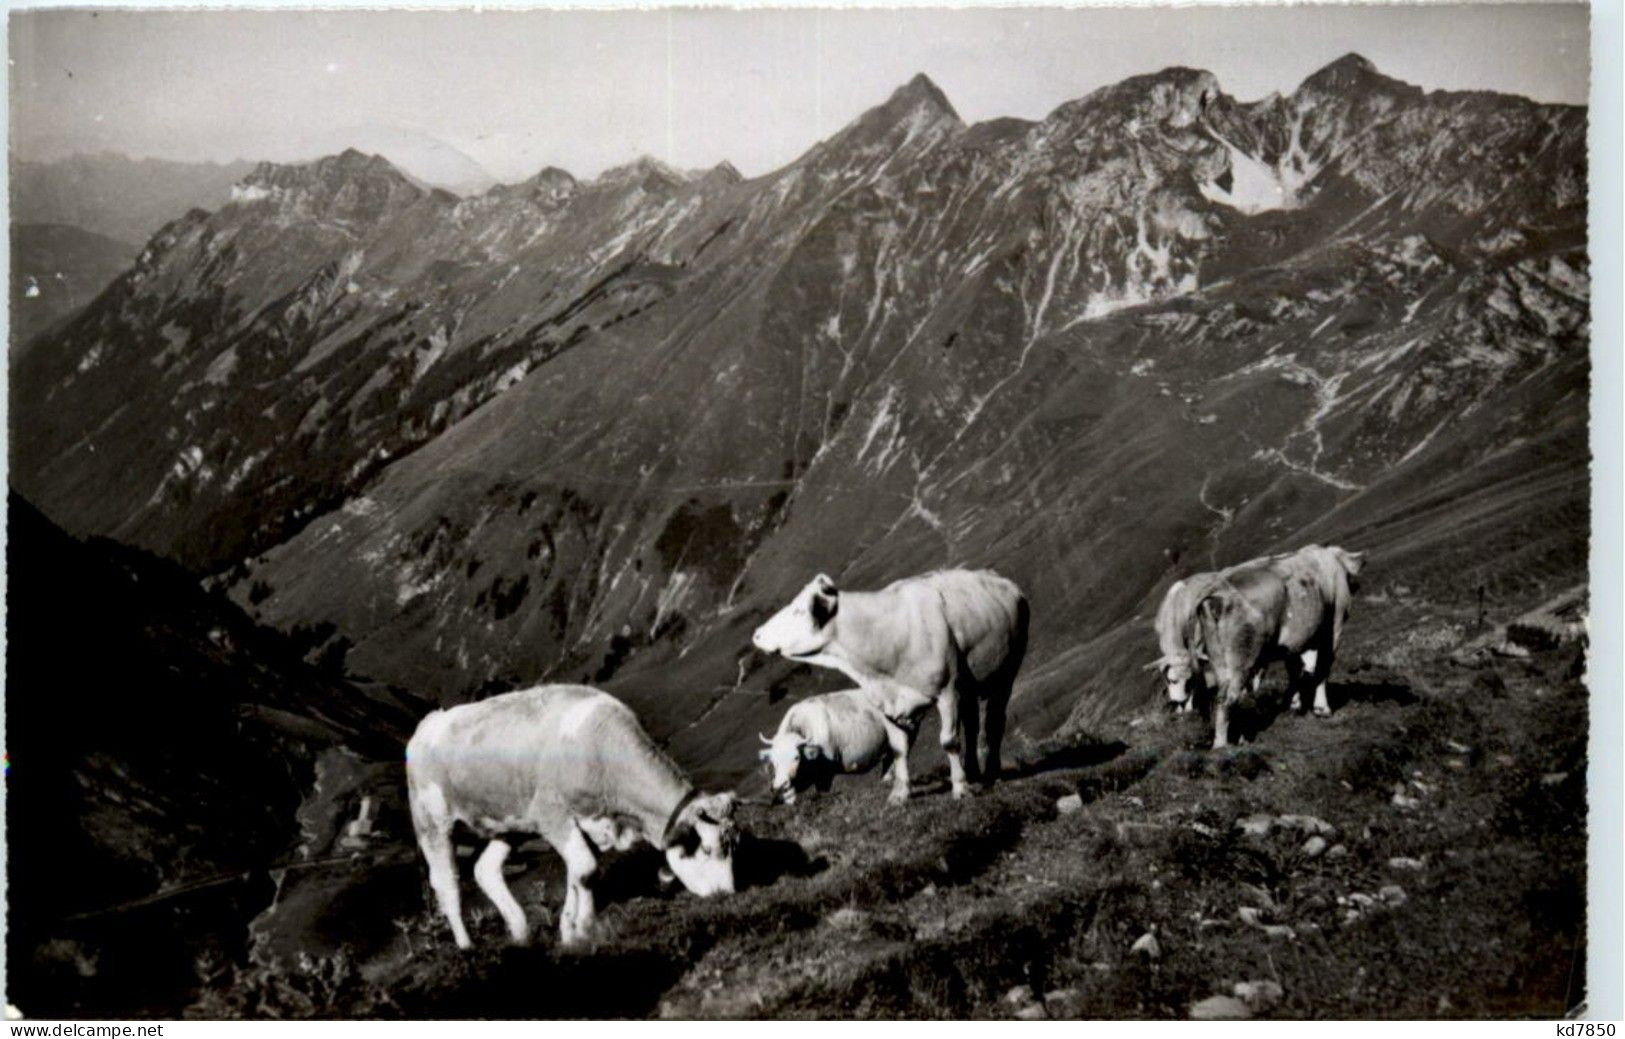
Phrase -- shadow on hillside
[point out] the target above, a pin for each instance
(1255, 714)
(1341, 694)
(762, 861)
(1059, 752)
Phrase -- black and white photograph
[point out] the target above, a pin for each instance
(981, 513)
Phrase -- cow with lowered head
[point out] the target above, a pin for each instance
(569, 763)
(1289, 608)
(953, 639)
(822, 737)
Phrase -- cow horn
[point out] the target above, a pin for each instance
(1156, 664)
(764, 739)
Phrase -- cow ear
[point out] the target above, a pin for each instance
(763, 755)
(824, 605)
(824, 586)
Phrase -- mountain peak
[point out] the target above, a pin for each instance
(722, 173)
(647, 170)
(921, 90)
(1349, 72)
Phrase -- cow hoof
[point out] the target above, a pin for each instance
(897, 797)
(962, 792)
(1323, 712)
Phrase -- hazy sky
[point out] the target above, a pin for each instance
(584, 90)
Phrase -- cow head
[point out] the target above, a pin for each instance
(787, 760)
(1177, 671)
(802, 629)
(703, 839)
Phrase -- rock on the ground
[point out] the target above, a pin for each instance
(1256, 825)
(1019, 996)
(1220, 1008)
(1404, 862)
(1337, 851)
(1258, 994)
(848, 919)
(1392, 894)
(1036, 1012)
(1314, 847)
(1308, 824)
(1069, 804)
(1147, 945)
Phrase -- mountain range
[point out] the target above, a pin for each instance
(597, 429)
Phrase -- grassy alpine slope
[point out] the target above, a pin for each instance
(1448, 792)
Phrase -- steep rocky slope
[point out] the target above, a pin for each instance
(597, 429)
(159, 744)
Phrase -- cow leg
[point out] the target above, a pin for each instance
(952, 745)
(432, 822)
(1294, 680)
(488, 873)
(970, 727)
(899, 739)
(580, 864)
(993, 734)
(1312, 667)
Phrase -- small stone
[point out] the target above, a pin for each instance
(1280, 931)
(1308, 824)
(1220, 1008)
(1392, 894)
(1256, 825)
(1258, 994)
(1069, 804)
(1314, 847)
(1035, 1012)
(848, 919)
(1404, 862)
(1505, 760)
(1063, 998)
(1422, 787)
(1405, 802)
(1361, 899)
(1336, 852)
(1101, 965)
(1457, 748)
(1147, 945)
(1251, 916)
(1019, 996)
(1553, 778)
(1456, 763)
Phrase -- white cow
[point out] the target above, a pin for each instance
(823, 735)
(1289, 608)
(952, 638)
(569, 763)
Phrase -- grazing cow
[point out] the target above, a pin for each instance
(1182, 657)
(1332, 570)
(572, 764)
(1289, 607)
(953, 638)
(821, 736)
